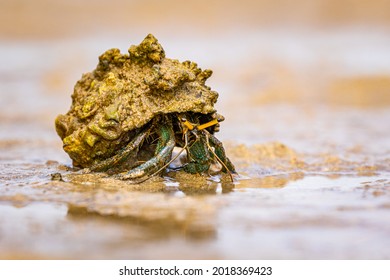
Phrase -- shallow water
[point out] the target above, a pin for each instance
(327, 203)
(306, 126)
(311, 217)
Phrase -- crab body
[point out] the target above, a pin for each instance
(124, 114)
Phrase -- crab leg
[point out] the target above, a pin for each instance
(163, 154)
(122, 155)
(227, 165)
(198, 156)
(169, 162)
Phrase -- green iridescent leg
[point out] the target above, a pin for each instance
(164, 150)
(198, 156)
(220, 153)
(122, 155)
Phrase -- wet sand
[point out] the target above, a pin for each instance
(306, 126)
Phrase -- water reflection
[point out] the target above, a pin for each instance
(274, 181)
(289, 213)
(146, 229)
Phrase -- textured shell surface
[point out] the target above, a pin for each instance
(125, 92)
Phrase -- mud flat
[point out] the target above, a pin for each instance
(287, 203)
(306, 127)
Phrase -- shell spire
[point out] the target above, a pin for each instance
(149, 49)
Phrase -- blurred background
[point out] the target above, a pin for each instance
(58, 19)
(305, 89)
(321, 53)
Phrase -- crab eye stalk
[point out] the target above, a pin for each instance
(208, 124)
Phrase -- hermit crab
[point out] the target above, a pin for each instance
(129, 114)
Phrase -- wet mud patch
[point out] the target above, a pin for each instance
(305, 128)
(313, 214)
